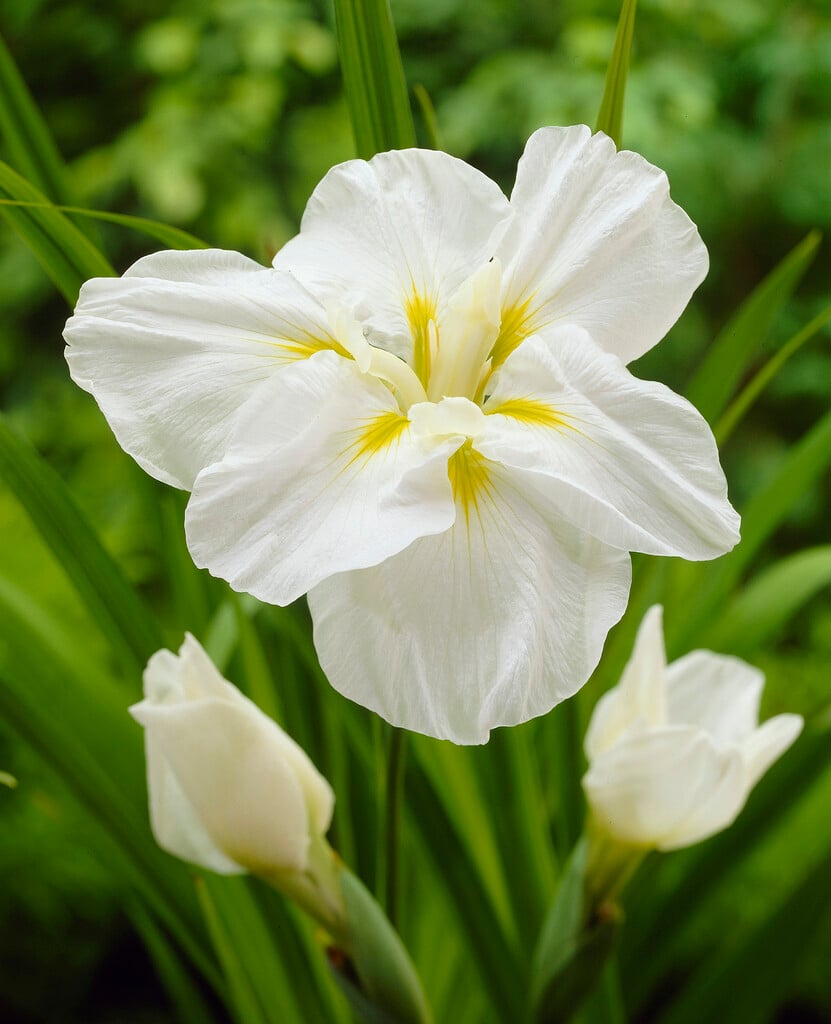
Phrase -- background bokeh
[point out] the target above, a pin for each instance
(220, 117)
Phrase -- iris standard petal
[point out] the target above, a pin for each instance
(489, 623)
(175, 347)
(768, 743)
(397, 236)
(323, 476)
(595, 241)
(625, 459)
(639, 699)
(716, 692)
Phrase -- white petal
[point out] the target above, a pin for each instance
(646, 789)
(323, 476)
(597, 241)
(192, 676)
(236, 779)
(488, 624)
(175, 347)
(768, 743)
(409, 224)
(627, 460)
(718, 693)
(175, 824)
(639, 699)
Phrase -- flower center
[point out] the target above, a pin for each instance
(451, 360)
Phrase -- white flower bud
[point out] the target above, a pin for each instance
(229, 790)
(674, 751)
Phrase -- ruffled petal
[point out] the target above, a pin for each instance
(716, 692)
(768, 743)
(174, 348)
(323, 476)
(490, 623)
(395, 237)
(627, 460)
(639, 699)
(595, 241)
(650, 788)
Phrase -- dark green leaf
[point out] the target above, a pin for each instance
(574, 946)
(112, 602)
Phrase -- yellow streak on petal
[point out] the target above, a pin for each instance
(532, 412)
(420, 310)
(294, 349)
(377, 434)
(517, 324)
(469, 477)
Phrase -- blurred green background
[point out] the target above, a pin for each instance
(220, 117)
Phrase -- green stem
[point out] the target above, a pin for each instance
(395, 777)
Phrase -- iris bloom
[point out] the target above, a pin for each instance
(421, 416)
(229, 790)
(674, 751)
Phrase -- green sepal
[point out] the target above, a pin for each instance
(375, 973)
(575, 944)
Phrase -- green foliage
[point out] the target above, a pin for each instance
(222, 118)
(610, 118)
(373, 77)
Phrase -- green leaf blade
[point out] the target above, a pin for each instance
(373, 77)
(729, 355)
(112, 602)
(610, 115)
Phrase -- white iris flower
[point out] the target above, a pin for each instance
(421, 417)
(675, 750)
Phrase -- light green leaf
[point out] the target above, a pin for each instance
(756, 385)
(610, 116)
(769, 601)
(244, 1003)
(64, 252)
(573, 948)
(383, 965)
(741, 339)
(280, 969)
(494, 955)
(373, 77)
(174, 238)
(515, 803)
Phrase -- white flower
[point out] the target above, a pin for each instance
(229, 790)
(674, 751)
(421, 416)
